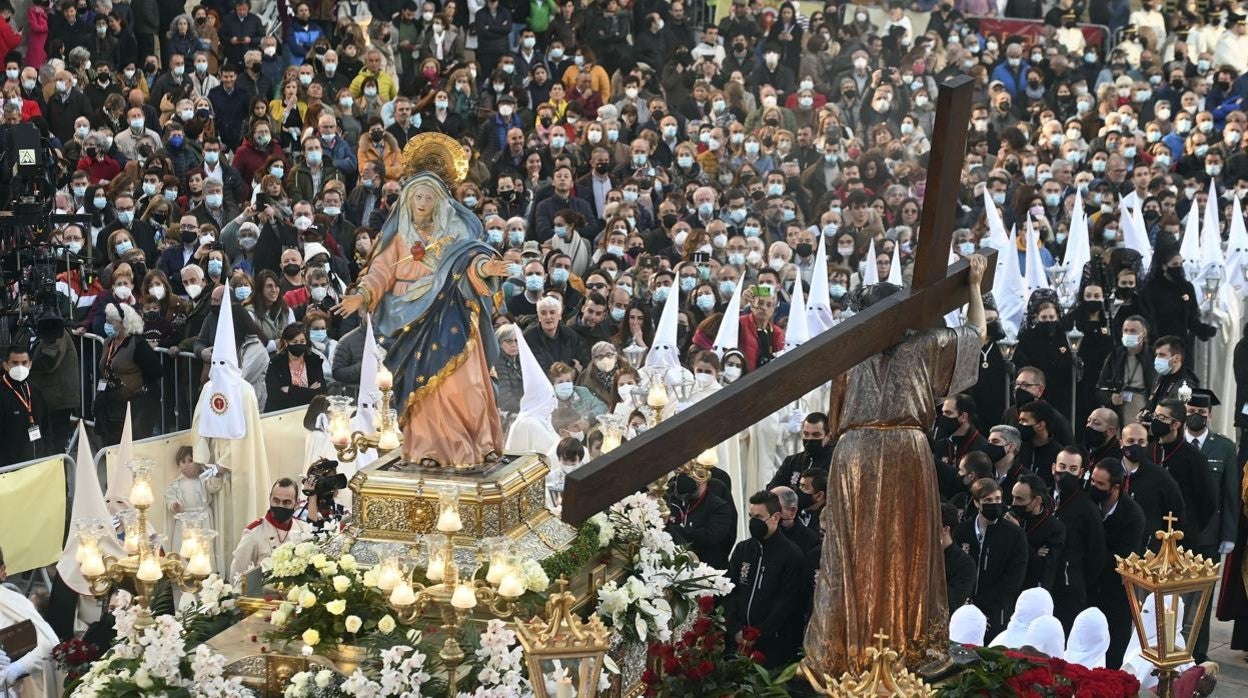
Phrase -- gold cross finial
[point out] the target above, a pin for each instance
(1169, 518)
(880, 638)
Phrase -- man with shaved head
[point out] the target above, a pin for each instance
(1100, 435)
(1147, 483)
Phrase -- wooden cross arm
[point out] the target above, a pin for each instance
(612, 476)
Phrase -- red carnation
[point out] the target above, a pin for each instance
(418, 251)
(750, 633)
(703, 626)
(758, 657)
(670, 665)
(706, 604)
(648, 677)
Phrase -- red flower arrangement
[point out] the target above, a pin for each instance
(1028, 676)
(75, 657)
(695, 664)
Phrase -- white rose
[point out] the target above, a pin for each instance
(311, 637)
(347, 563)
(370, 577)
(535, 578)
(336, 607)
(386, 625)
(279, 618)
(307, 599)
(323, 677)
(293, 594)
(305, 548)
(353, 624)
(341, 583)
(329, 569)
(319, 560)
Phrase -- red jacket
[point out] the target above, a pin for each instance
(103, 169)
(747, 340)
(9, 39)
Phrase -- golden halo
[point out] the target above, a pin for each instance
(437, 154)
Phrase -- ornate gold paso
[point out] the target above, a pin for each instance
(437, 154)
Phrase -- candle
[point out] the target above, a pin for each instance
(708, 458)
(437, 566)
(498, 566)
(1170, 630)
(563, 686)
(388, 577)
(141, 494)
(388, 441)
(92, 563)
(385, 380)
(341, 435)
(512, 585)
(449, 521)
(403, 595)
(149, 569)
(657, 397)
(131, 544)
(189, 547)
(199, 565)
(306, 651)
(464, 597)
(610, 441)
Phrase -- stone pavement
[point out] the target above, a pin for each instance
(1233, 680)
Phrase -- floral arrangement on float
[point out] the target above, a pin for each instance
(166, 657)
(1032, 676)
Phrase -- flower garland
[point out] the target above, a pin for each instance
(664, 580)
(1030, 676)
(404, 671)
(155, 660)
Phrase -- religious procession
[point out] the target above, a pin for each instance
(623, 348)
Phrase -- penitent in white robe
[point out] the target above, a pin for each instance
(42, 681)
(245, 496)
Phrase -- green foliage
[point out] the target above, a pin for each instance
(571, 561)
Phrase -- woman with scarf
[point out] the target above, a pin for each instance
(1042, 344)
(1170, 302)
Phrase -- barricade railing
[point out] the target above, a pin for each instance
(174, 395)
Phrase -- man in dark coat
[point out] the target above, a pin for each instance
(1084, 552)
(764, 571)
(1122, 521)
(816, 452)
(1147, 483)
(999, 550)
(24, 423)
(702, 520)
(1046, 534)
(240, 32)
(1185, 464)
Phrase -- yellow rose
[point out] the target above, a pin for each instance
(311, 637)
(386, 625)
(293, 594)
(353, 624)
(336, 607)
(319, 560)
(341, 584)
(370, 577)
(347, 563)
(307, 599)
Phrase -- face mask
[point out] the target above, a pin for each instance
(318, 293)
(705, 302)
(110, 330)
(534, 282)
(319, 336)
(193, 290)
(74, 247)
(213, 200)
(837, 290)
(1158, 429)
(966, 249)
(100, 202)
(991, 511)
(332, 211)
(758, 529)
(122, 292)
(559, 275)
(313, 157)
(1161, 366)
(752, 231)
(214, 267)
(125, 217)
(242, 293)
(1197, 423)
(563, 390)
(661, 293)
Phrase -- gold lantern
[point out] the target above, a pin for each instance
(1168, 574)
(563, 648)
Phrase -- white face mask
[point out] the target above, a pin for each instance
(625, 391)
(193, 290)
(731, 373)
(157, 292)
(19, 373)
(318, 293)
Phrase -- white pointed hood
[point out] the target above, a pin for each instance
(797, 332)
(539, 399)
(1036, 276)
(1237, 249)
(894, 267)
(1211, 241)
(89, 505)
(1008, 288)
(818, 306)
(221, 413)
(996, 226)
(1189, 247)
(1134, 235)
(365, 418)
(664, 350)
(120, 479)
(871, 276)
(1078, 248)
(730, 325)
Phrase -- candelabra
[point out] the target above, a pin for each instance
(350, 443)
(144, 564)
(453, 595)
(657, 399)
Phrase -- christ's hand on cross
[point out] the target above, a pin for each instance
(978, 265)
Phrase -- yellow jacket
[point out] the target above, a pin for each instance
(392, 159)
(386, 87)
(277, 110)
(598, 79)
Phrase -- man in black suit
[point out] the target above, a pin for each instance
(1100, 435)
(1040, 445)
(593, 187)
(1185, 464)
(955, 434)
(959, 567)
(1148, 484)
(812, 493)
(702, 520)
(809, 540)
(816, 452)
(1084, 552)
(1123, 523)
(1029, 387)
(1046, 534)
(999, 550)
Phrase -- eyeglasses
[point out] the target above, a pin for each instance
(595, 287)
(1026, 386)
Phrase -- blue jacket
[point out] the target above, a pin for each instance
(1015, 82)
(299, 40)
(344, 156)
(229, 109)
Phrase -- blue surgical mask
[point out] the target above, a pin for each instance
(752, 231)
(627, 289)
(615, 250)
(705, 302)
(1130, 341)
(966, 249)
(1051, 200)
(496, 236)
(100, 202)
(639, 160)
(318, 336)
(516, 238)
(534, 282)
(109, 330)
(563, 390)
(837, 290)
(687, 283)
(661, 293)
(559, 275)
(705, 209)
(726, 287)
(630, 196)
(213, 200)
(214, 267)
(617, 314)
(561, 231)
(123, 247)
(775, 189)
(125, 217)
(789, 214)
(470, 201)
(242, 293)
(514, 270)
(736, 259)
(1161, 366)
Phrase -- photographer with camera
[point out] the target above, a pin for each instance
(320, 488)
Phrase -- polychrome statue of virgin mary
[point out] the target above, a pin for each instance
(427, 287)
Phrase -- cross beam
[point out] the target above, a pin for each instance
(937, 288)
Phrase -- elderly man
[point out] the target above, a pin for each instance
(760, 338)
(65, 105)
(386, 87)
(277, 526)
(553, 341)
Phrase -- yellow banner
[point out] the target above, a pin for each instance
(32, 515)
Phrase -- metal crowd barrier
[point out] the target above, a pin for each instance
(181, 378)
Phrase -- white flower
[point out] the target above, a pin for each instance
(329, 569)
(307, 599)
(305, 548)
(336, 607)
(319, 560)
(535, 578)
(279, 618)
(353, 624)
(341, 583)
(386, 625)
(311, 637)
(142, 679)
(347, 563)
(370, 577)
(323, 677)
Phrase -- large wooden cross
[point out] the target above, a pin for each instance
(936, 288)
